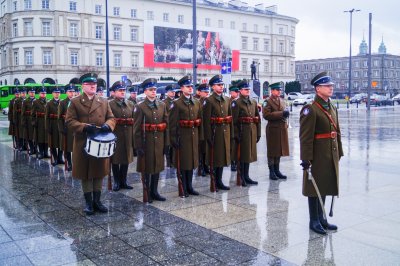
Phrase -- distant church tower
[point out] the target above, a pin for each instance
(363, 50)
(382, 48)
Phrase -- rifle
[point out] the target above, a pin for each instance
(178, 168)
(212, 183)
(238, 170)
(143, 164)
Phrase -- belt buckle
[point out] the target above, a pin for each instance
(333, 134)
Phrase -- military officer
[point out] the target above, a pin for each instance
(52, 127)
(11, 128)
(320, 150)
(112, 92)
(77, 92)
(197, 95)
(247, 130)
(133, 94)
(234, 93)
(185, 131)
(66, 134)
(218, 129)
(86, 115)
(123, 155)
(203, 169)
(17, 116)
(100, 91)
(39, 123)
(170, 91)
(150, 139)
(274, 111)
(27, 120)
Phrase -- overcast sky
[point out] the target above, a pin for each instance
(324, 29)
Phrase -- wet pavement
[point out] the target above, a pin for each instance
(42, 223)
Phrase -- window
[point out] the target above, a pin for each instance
(74, 58)
(244, 65)
(280, 30)
(99, 59)
(244, 43)
(134, 34)
(97, 9)
(28, 58)
(338, 75)
(99, 32)
(28, 29)
(291, 48)
(117, 60)
(27, 4)
(116, 11)
(266, 66)
(292, 68)
(255, 44)
(72, 6)
(15, 29)
(15, 6)
(16, 58)
(266, 45)
(357, 64)
(47, 58)
(207, 22)
(266, 29)
(73, 29)
(244, 27)
(133, 13)
(180, 19)
(281, 47)
(45, 4)
(150, 15)
(255, 28)
(365, 63)
(117, 33)
(356, 73)
(46, 28)
(233, 25)
(165, 17)
(306, 76)
(365, 74)
(135, 59)
(220, 23)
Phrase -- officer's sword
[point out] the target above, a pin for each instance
(311, 178)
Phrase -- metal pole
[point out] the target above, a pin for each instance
(369, 63)
(107, 54)
(194, 34)
(351, 26)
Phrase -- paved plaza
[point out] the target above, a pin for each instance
(42, 222)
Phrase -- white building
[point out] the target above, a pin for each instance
(61, 40)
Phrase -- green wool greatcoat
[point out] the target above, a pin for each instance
(17, 117)
(246, 133)
(215, 106)
(38, 120)
(151, 142)
(81, 112)
(52, 124)
(124, 152)
(188, 138)
(26, 118)
(11, 127)
(277, 127)
(66, 134)
(324, 154)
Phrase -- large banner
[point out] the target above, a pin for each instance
(173, 48)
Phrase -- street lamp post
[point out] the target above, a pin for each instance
(351, 24)
(107, 54)
(194, 34)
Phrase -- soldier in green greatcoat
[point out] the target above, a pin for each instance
(27, 120)
(39, 123)
(234, 93)
(52, 127)
(320, 150)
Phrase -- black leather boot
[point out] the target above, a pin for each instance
(123, 173)
(54, 155)
(154, 188)
(315, 224)
(46, 150)
(69, 160)
(32, 150)
(60, 159)
(278, 173)
(147, 181)
(324, 222)
(272, 174)
(242, 174)
(89, 203)
(218, 179)
(41, 151)
(190, 189)
(115, 171)
(246, 176)
(97, 205)
(184, 183)
(233, 166)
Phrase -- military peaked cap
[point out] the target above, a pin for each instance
(88, 77)
(185, 81)
(322, 79)
(217, 79)
(149, 83)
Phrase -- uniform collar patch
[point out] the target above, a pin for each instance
(306, 111)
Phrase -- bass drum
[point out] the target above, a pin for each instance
(101, 145)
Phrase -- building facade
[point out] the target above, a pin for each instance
(385, 72)
(61, 40)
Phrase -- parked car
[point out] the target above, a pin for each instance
(304, 99)
(293, 95)
(358, 98)
(396, 98)
(380, 100)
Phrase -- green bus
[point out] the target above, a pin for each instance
(7, 91)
